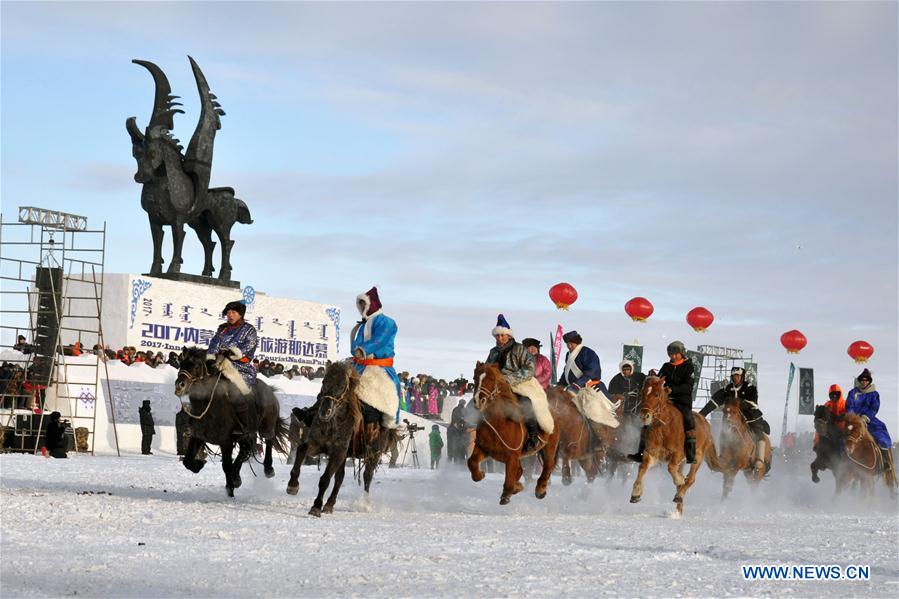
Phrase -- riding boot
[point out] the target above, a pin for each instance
(760, 451)
(241, 416)
(889, 473)
(533, 439)
(638, 457)
(690, 447)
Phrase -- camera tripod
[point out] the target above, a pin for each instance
(411, 443)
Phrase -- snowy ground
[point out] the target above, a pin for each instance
(143, 526)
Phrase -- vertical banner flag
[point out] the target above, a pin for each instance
(806, 391)
(783, 430)
(752, 373)
(634, 353)
(552, 361)
(696, 357)
(557, 343)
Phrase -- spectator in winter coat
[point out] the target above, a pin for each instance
(54, 439)
(174, 361)
(416, 397)
(864, 400)
(435, 441)
(542, 367)
(629, 384)
(433, 392)
(678, 375)
(147, 425)
(582, 367)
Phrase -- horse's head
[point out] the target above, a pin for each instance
(149, 149)
(732, 414)
(488, 382)
(338, 390)
(193, 369)
(655, 394)
(856, 430)
(823, 420)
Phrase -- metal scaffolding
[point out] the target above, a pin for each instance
(51, 299)
(715, 374)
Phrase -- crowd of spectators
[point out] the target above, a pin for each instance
(424, 395)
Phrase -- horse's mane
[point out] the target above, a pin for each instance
(353, 401)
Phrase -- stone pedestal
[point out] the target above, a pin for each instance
(180, 276)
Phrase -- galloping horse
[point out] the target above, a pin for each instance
(501, 433)
(339, 430)
(212, 418)
(864, 462)
(737, 449)
(828, 452)
(575, 442)
(665, 441)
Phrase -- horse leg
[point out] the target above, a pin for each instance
(228, 466)
(244, 450)
(204, 233)
(157, 233)
(674, 471)
(590, 466)
(267, 461)
(682, 490)
(728, 484)
(190, 456)
(177, 243)
(566, 471)
(334, 462)
(511, 486)
(293, 485)
(815, 469)
(371, 463)
(474, 464)
(549, 463)
(637, 491)
(332, 498)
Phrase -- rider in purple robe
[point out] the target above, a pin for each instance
(236, 340)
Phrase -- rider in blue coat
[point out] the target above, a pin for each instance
(236, 338)
(582, 365)
(864, 400)
(372, 341)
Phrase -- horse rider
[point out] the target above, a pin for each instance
(836, 405)
(582, 367)
(542, 367)
(679, 377)
(864, 400)
(629, 384)
(372, 343)
(749, 407)
(517, 366)
(236, 340)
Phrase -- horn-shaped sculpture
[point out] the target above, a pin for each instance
(176, 186)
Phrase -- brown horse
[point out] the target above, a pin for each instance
(864, 462)
(738, 449)
(575, 442)
(501, 433)
(665, 441)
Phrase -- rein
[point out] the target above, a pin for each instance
(855, 440)
(185, 407)
(480, 404)
(335, 400)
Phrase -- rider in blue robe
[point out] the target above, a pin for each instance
(373, 338)
(864, 400)
(236, 339)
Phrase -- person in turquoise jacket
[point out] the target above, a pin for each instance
(372, 343)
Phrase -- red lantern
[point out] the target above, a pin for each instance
(639, 309)
(860, 351)
(700, 319)
(793, 341)
(563, 295)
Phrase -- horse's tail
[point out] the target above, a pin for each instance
(711, 457)
(243, 213)
(280, 442)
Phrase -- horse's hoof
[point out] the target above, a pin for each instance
(678, 499)
(269, 473)
(293, 489)
(566, 480)
(328, 509)
(315, 512)
(477, 476)
(518, 488)
(194, 466)
(635, 499)
(230, 491)
(504, 500)
(237, 482)
(815, 478)
(540, 493)
(225, 275)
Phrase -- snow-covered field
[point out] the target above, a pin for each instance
(143, 526)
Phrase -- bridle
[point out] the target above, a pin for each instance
(656, 411)
(335, 400)
(857, 438)
(191, 379)
(480, 401)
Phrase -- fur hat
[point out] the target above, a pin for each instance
(738, 370)
(368, 303)
(572, 337)
(502, 327)
(676, 347)
(531, 342)
(624, 363)
(237, 306)
(866, 374)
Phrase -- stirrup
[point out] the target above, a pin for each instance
(635, 457)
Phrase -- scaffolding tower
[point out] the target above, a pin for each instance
(51, 300)
(715, 374)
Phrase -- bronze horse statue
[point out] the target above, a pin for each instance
(212, 417)
(176, 186)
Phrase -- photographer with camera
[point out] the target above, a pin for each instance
(55, 437)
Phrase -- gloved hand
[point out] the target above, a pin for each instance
(359, 353)
(592, 384)
(866, 419)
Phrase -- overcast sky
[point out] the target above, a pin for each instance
(465, 157)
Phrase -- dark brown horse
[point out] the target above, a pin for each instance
(737, 449)
(338, 429)
(864, 462)
(212, 417)
(576, 441)
(501, 433)
(828, 444)
(665, 441)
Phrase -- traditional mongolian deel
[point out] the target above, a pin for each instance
(595, 406)
(866, 402)
(241, 340)
(372, 346)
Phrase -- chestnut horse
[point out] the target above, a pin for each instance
(575, 441)
(665, 441)
(501, 433)
(864, 462)
(738, 449)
